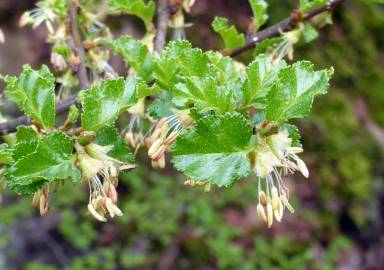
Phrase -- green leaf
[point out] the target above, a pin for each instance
(134, 53)
(25, 143)
(73, 114)
(52, 160)
(34, 94)
(215, 150)
(259, 9)
(292, 96)
(261, 74)
(231, 37)
(139, 8)
(104, 102)
(177, 61)
(205, 94)
(309, 33)
(5, 154)
(161, 106)
(306, 5)
(25, 134)
(120, 150)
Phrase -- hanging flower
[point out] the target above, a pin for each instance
(273, 158)
(101, 172)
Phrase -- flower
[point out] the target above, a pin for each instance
(165, 132)
(40, 199)
(101, 173)
(275, 156)
(134, 134)
(285, 47)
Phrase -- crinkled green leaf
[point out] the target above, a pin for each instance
(204, 93)
(5, 154)
(25, 143)
(104, 102)
(134, 53)
(34, 93)
(177, 61)
(52, 160)
(25, 134)
(231, 37)
(161, 106)
(23, 149)
(215, 150)
(139, 8)
(292, 95)
(259, 9)
(120, 150)
(261, 74)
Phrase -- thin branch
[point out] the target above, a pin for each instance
(283, 26)
(162, 24)
(10, 126)
(163, 16)
(79, 47)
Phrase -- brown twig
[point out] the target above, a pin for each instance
(283, 26)
(78, 44)
(162, 24)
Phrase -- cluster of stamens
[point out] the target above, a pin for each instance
(275, 157)
(101, 173)
(195, 183)
(40, 199)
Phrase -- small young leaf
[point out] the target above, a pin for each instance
(306, 5)
(120, 150)
(177, 61)
(260, 76)
(134, 53)
(34, 94)
(215, 150)
(73, 114)
(231, 37)
(259, 9)
(103, 103)
(5, 154)
(139, 8)
(309, 33)
(293, 94)
(52, 160)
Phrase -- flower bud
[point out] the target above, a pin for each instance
(95, 214)
(263, 198)
(24, 19)
(269, 215)
(275, 198)
(261, 213)
(302, 167)
(155, 147)
(171, 138)
(159, 153)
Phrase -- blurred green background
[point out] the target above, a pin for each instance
(339, 218)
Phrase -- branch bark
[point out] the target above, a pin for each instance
(163, 16)
(162, 24)
(78, 44)
(285, 25)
